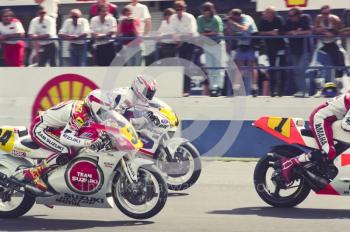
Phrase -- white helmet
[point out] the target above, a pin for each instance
(143, 88)
(97, 102)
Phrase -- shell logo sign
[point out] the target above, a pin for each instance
(62, 88)
(296, 3)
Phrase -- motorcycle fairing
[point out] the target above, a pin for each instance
(340, 185)
(285, 129)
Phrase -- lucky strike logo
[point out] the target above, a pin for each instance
(296, 3)
(84, 176)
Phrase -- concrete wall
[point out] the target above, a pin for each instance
(217, 126)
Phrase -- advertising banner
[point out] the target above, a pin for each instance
(284, 5)
(25, 91)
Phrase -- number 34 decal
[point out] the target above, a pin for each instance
(7, 139)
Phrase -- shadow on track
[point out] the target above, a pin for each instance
(35, 223)
(177, 194)
(292, 213)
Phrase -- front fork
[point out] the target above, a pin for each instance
(129, 168)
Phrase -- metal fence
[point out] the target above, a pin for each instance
(311, 43)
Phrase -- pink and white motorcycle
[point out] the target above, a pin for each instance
(323, 177)
(101, 178)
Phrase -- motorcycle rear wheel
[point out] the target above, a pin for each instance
(184, 170)
(18, 205)
(274, 197)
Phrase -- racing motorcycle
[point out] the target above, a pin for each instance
(321, 176)
(176, 157)
(99, 177)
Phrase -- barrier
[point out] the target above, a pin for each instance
(217, 113)
(23, 91)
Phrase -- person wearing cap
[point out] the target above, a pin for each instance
(11, 30)
(44, 27)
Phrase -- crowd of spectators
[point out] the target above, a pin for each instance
(99, 35)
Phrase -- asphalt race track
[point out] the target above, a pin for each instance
(223, 200)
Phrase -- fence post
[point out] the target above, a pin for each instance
(60, 55)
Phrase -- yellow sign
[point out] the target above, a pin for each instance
(281, 125)
(295, 3)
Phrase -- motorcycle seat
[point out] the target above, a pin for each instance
(307, 133)
(30, 144)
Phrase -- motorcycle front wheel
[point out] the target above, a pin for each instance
(182, 170)
(143, 199)
(270, 188)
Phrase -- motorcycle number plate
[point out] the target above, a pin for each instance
(84, 176)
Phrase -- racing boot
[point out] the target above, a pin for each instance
(34, 175)
(287, 165)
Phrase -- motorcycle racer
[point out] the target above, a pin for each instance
(320, 123)
(56, 129)
(121, 99)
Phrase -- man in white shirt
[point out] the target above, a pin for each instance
(76, 29)
(44, 27)
(166, 32)
(103, 30)
(184, 26)
(141, 12)
(50, 6)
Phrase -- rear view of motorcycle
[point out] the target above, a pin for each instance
(177, 157)
(103, 177)
(323, 176)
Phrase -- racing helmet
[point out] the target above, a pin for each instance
(144, 89)
(97, 103)
(329, 90)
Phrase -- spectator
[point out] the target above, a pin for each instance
(111, 8)
(103, 29)
(130, 27)
(273, 25)
(44, 27)
(299, 24)
(141, 12)
(329, 25)
(11, 28)
(244, 25)
(167, 45)
(75, 29)
(185, 26)
(50, 6)
(210, 25)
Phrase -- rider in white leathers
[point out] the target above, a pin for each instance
(141, 92)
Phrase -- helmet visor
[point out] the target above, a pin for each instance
(150, 94)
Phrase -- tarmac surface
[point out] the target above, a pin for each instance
(224, 199)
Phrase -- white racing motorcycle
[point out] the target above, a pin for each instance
(100, 178)
(176, 157)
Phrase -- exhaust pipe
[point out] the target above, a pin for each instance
(316, 183)
(12, 183)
